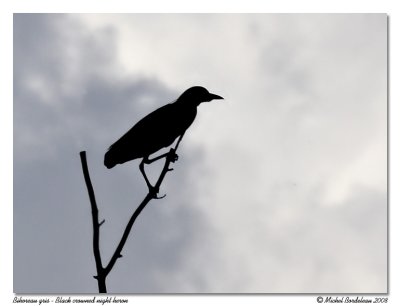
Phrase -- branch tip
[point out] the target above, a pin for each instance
(158, 198)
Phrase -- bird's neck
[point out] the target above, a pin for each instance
(186, 104)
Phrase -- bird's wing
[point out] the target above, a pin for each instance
(149, 135)
(148, 127)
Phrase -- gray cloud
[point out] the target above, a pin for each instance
(63, 105)
(278, 196)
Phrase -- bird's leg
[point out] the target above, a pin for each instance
(171, 156)
(179, 141)
(141, 167)
(152, 189)
(173, 159)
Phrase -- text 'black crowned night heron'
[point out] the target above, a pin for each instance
(157, 130)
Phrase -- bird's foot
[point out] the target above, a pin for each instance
(172, 156)
(153, 191)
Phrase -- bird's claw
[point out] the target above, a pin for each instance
(172, 156)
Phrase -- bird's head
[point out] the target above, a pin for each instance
(197, 94)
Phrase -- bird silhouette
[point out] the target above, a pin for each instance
(158, 130)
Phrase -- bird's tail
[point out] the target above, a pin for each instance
(109, 161)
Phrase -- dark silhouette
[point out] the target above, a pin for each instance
(157, 130)
(154, 132)
(103, 271)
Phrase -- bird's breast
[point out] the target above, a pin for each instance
(179, 122)
(164, 132)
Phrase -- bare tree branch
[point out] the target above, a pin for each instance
(102, 273)
(96, 226)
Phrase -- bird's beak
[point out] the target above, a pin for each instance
(215, 97)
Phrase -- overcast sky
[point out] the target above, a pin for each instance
(280, 188)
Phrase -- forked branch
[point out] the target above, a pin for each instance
(102, 272)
